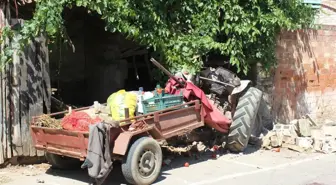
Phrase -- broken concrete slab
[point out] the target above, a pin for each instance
(329, 129)
(289, 140)
(317, 132)
(293, 147)
(276, 140)
(304, 128)
(304, 142)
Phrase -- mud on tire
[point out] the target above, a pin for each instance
(244, 119)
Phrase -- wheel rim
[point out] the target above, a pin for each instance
(147, 163)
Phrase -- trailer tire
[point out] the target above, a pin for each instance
(62, 162)
(143, 163)
(243, 120)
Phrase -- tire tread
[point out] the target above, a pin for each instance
(244, 119)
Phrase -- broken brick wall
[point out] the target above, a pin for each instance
(305, 78)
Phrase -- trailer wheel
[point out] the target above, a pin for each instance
(243, 120)
(62, 162)
(143, 163)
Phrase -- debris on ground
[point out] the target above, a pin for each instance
(5, 179)
(28, 170)
(302, 135)
(39, 181)
(198, 146)
(276, 149)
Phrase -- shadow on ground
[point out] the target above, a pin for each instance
(116, 176)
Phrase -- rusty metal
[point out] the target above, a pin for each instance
(66, 111)
(216, 81)
(157, 64)
(122, 142)
(160, 125)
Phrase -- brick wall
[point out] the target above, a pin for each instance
(305, 78)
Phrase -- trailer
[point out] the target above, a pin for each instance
(139, 149)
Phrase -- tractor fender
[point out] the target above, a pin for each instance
(242, 87)
(123, 140)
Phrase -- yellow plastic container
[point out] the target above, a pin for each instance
(118, 101)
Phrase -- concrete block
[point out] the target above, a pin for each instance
(328, 149)
(286, 130)
(276, 141)
(330, 140)
(289, 130)
(304, 128)
(293, 147)
(318, 143)
(329, 129)
(289, 140)
(278, 127)
(266, 138)
(304, 142)
(317, 133)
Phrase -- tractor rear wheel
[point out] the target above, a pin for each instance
(243, 120)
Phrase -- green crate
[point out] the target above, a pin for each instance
(160, 102)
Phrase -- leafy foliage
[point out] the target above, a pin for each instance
(182, 31)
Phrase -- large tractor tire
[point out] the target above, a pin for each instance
(143, 162)
(62, 162)
(243, 120)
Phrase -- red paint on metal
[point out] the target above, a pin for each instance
(161, 125)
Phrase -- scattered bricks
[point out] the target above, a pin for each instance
(328, 149)
(304, 142)
(318, 143)
(276, 141)
(277, 128)
(289, 130)
(266, 140)
(329, 144)
(288, 140)
(329, 140)
(304, 128)
(286, 130)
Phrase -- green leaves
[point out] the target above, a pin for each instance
(182, 31)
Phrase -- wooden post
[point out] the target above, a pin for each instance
(2, 94)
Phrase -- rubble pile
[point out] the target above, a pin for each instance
(302, 135)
